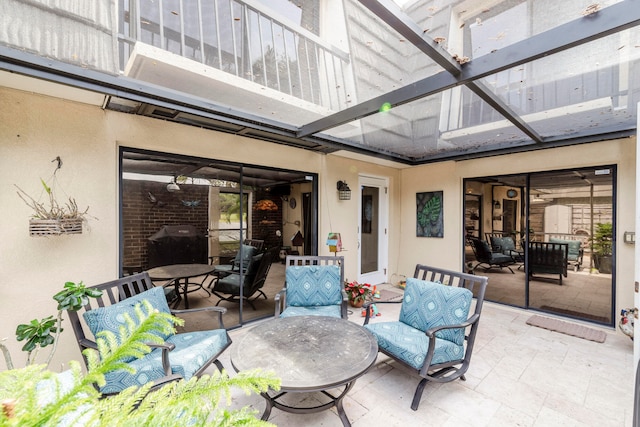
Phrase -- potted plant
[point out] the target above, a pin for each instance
(357, 293)
(54, 217)
(602, 246)
(39, 334)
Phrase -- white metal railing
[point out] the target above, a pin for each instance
(241, 38)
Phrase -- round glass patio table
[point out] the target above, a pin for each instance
(308, 354)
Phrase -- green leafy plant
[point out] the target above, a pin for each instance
(603, 239)
(36, 396)
(39, 334)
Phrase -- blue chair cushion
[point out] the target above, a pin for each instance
(320, 310)
(410, 344)
(573, 247)
(426, 305)
(112, 317)
(503, 244)
(192, 350)
(313, 285)
(248, 252)
(231, 283)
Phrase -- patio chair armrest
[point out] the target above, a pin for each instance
(161, 382)
(85, 343)
(368, 312)
(166, 348)
(431, 333)
(344, 311)
(280, 300)
(219, 310)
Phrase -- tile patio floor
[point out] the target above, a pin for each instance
(520, 375)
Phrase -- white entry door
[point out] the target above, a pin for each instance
(372, 233)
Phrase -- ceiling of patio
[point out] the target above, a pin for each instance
(432, 81)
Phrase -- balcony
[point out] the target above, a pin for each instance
(236, 53)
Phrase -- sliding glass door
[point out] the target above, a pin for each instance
(186, 210)
(557, 229)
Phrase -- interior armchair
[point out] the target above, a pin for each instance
(487, 259)
(249, 249)
(435, 333)
(234, 287)
(183, 355)
(314, 286)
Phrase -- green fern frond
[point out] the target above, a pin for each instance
(132, 339)
(197, 402)
(193, 402)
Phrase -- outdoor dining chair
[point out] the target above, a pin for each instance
(314, 286)
(434, 335)
(183, 355)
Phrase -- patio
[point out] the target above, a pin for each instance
(105, 91)
(519, 375)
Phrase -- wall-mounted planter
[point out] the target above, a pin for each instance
(54, 227)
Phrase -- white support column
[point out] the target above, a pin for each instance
(636, 274)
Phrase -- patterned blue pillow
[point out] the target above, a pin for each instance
(427, 304)
(110, 318)
(313, 285)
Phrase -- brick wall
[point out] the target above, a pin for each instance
(141, 217)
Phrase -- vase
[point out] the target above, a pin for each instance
(356, 303)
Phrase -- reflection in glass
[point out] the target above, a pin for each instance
(220, 205)
(550, 224)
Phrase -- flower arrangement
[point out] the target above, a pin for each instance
(357, 292)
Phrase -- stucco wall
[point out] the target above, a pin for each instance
(34, 129)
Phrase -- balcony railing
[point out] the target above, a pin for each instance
(242, 39)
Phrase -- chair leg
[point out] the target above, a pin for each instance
(418, 394)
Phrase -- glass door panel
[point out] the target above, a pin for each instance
(494, 219)
(568, 209)
(372, 243)
(558, 229)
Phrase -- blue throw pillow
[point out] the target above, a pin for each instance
(110, 318)
(313, 285)
(427, 304)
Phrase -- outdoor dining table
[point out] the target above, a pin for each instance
(179, 275)
(308, 354)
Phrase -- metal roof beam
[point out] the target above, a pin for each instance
(610, 20)
(28, 64)
(492, 99)
(393, 15)
(399, 21)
